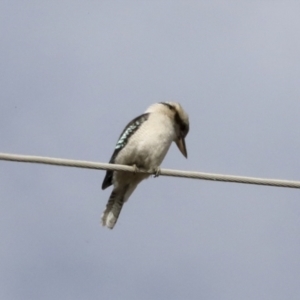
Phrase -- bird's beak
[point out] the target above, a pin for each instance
(180, 142)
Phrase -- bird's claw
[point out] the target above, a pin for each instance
(136, 169)
(156, 172)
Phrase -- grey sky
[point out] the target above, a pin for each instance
(74, 73)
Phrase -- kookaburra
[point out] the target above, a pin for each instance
(143, 144)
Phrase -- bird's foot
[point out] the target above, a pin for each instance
(156, 172)
(136, 169)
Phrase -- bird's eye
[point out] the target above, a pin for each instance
(184, 129)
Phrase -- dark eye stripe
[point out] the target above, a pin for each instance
(184, 128)
(168, 105)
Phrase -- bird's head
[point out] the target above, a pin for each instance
(179, 118)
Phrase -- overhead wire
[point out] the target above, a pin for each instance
(161, 172)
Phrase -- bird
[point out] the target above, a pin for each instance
(143, 144)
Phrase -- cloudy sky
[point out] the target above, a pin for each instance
(74, 73)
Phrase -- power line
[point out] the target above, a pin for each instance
(163, 172)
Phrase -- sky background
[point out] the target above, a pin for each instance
(74, 73)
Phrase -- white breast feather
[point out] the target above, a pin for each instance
(150, 144)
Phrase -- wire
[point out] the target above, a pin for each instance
(162, 172)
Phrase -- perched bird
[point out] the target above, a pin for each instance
(143, 144)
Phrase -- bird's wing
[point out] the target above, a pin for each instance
(128, 131)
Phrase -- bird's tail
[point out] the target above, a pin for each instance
(114, 205)
(113, 209)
